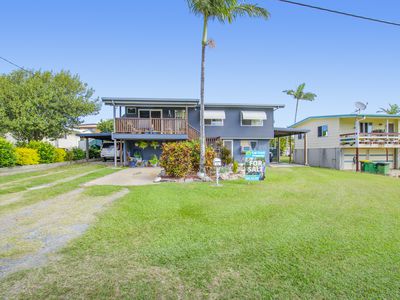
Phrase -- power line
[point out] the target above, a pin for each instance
(15, 65)
(341, 13)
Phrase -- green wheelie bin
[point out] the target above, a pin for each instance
(383, 168)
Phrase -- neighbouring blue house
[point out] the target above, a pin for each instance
(239, 127)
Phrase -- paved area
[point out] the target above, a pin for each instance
(128, 177)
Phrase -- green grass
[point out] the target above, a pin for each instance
(303, 233)
(35, 196)
(51, 177)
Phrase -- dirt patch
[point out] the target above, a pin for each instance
(29, 235)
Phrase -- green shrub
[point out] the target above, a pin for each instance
(78, 154)
(226, 156)
(60, 155)
(180, 159)
(27, 156)
(46, 151)
(69, 155)
(8, 157)
(235, 167)
(94, 152)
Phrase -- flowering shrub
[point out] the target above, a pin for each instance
(60, 155)
(78, 154)
(46, 151)
(180, 159)
(8, 157)
(26, 156)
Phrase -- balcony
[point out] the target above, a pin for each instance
(370, 140)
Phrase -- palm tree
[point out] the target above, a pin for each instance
(393, 109)
(223, 11)
(299, 94)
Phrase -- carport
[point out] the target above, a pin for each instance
(289, 132)
(103, 136)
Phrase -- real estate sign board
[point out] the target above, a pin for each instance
(254, 165)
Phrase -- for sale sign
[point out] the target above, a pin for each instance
(255, 165)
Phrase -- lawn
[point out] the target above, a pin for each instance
(303, 233)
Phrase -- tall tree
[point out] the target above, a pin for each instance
(298, 95)
(393, 109)
(43, 104)
(223, 11)
(106, 125)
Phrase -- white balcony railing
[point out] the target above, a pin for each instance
(377, 140)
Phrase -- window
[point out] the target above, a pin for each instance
(180, 114)
(253, 145)
(391, 128)
(131, 110)
(147, 113)
(365, 127)
(300, 136)
(229, 145)
(252, 122)
(322, 130)
(214, 122)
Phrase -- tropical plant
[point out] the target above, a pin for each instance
(143, 145)
(154, 160)
(26, 156)
(226, 156)
(223, 11)
(46, 151)
(154, 145)
(235, 167)
(106, 125)
(8, 157)
(298, 95)
(393, 109)
(43, 104)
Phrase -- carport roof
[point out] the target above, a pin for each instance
(282, 132)
(97, 136)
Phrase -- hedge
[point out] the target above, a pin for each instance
(27, 156)
(8, 158)
(46, 151)
(60, 155)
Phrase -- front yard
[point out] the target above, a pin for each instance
(303, 233)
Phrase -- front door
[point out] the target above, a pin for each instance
(229, 145)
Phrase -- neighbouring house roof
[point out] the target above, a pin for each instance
(377, 116)
(97, 136)
(178, 102)
(282, 132)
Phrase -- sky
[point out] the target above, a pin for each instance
(132, 48)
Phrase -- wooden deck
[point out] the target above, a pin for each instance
(154, 126)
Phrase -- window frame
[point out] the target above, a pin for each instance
(211, 124)
(131, 113)
(322, 131)
(251, 125)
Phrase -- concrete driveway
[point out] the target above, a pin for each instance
(128, 177)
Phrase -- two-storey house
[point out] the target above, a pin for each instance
(239, 127)
(342, 141)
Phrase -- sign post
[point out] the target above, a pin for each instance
(255, 165)
(217, 164)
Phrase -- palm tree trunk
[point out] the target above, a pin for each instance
(202, 129)
(297, 108)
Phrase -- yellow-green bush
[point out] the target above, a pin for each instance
(27, 156)
(60, 155)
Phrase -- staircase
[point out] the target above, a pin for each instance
(194, 134)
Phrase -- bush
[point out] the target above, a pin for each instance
(226, 156)
(180, 159)
(8, 157)
(46, 151)
(235, 167)
(27, 156)
(69, 155)
(78, 154)
(60, 155)
(94, 152)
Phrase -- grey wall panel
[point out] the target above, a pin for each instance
(320, 157)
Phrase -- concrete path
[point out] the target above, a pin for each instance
(128, 177)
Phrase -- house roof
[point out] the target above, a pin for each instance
(282, 132)
(178, 101)
(378, 116)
